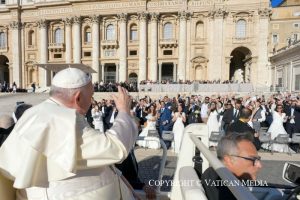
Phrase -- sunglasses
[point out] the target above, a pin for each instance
(254, 160)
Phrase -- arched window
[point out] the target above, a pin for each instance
(110, 32)
(58, 36)
(87, 35)
(31, 37)
(240, 31)
(168, 31)
(200, 30)
(133, 32)
(2, 39)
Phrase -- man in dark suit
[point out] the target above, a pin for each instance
(231, 114)
(293, 114)
(193, 113)
(165, 121)
(109, 119)
(140, 111)
(239, 156)
(241, 126)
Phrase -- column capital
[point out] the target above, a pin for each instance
(95, 19)
(122, 17)
(265, 13)
(218, 13)
(143, 16)
(15, 25)
(154, 16)
(42, 23)
(183, 15)
(77, 20)
(68, 21)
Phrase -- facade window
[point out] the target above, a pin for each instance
(168, 31)
(2, 40)
(109, 53)
(58, 36)
(88, 35)
(31, 38)
(2, 1)
(295, 37)
(240, 31)
(275, 38)
(200, 30)
(296, 25)
(133, 32)
(110, 32)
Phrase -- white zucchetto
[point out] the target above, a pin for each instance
(71, 78)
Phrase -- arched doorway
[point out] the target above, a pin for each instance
(167, 71)
(110, 73)
(4, 70)
(133, 77)
(31, 73)
(240, 65)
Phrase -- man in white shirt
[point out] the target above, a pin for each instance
(204, 110)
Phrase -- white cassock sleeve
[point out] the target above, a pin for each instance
(99, 149)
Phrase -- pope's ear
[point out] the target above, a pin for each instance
(77, 97)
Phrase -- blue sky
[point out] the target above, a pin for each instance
(276, 3)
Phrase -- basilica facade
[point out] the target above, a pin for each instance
(136, 40)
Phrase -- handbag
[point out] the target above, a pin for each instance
(126, 190)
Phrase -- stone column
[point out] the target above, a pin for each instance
(123, 45)
(153, 49)
(102, 72)
(17, 54)
(77, 39)
(263, 30)
(143, 47)
(216, 41)
(44, 75)
(182, 45)
(291, 79)
(96, 48)
(68, 25)
(117, 72)
(174, 71)
(159, 72)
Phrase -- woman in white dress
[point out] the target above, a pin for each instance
(277, 128)
(97, 118)
(179, 118)
(213, 122)
(149, 141)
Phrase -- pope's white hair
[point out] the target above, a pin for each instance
(65, 94)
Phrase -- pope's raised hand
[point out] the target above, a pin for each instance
(122, 100)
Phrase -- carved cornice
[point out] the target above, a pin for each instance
(183, 15)
(30, 25)
(265, 13)
(42, 23)
(15, 25)
(122, 17)
(143, 16)
(154, 16)
(77, 20)
(68, 21)
(95, 19)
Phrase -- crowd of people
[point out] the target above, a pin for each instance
(150, 82)
(13, 88)
(279, 114)
(113, 87)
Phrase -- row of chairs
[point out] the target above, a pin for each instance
(265, 137)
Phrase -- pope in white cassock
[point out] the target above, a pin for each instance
(53, 153)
